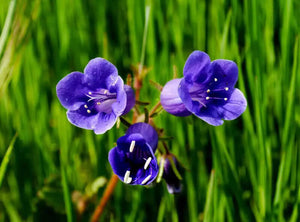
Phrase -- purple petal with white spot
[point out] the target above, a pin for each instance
(224, 73)
(82, 119)
(236, 105)
(232, 109)
(170, 99)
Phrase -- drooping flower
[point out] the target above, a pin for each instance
(206, 90)
(133, 160)
(96, 98)
(173, 181)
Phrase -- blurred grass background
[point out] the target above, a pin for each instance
(245, 170)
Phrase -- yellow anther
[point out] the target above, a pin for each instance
(85, 106)
(225, 99)
(207, 98)
(216, 79)
(226, 88)
(208, 91)
(88, 111)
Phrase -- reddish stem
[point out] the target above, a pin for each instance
(106, 196)
(157, 105)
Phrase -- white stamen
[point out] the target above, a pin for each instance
(225, 99)
(115, 82)
(88, 111)
(132, 144)
(216, 79)
(207, 98)
(208, 91)
(85, 106)
(127, 178)
(226, 88)
(146, 180)
(90, 93)
(98, 103)
(147, 163)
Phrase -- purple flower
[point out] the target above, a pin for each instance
(172, 180)
(96, 98)
(206, 90)
(133, 160)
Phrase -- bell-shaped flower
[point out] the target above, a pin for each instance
(206, 90)
(133, 160)
(96, 98)
(171, 173)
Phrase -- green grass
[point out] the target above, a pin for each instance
(245, 170)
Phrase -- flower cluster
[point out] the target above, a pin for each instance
(96, 98)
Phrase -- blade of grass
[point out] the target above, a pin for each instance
(7, 25)
(6, 159)
(67, 196)
(208, 209)
(283, 170)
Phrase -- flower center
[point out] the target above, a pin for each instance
(204, 95)
(138, 158)
(100, 101)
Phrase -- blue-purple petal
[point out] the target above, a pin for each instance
(236, 105)
(105, 122)
(118, 87)
(183, 92)
(170, 100)
(196, 67)
(116, 159)
(232, 109)
(99, 73)
(82, 119)
(225, 72)
(147, 132)
(152, 171)
(99, 122)
(71, 90)
(214, 121)
(130, 99)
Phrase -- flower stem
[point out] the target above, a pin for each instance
(106, 196)
(157, 105)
